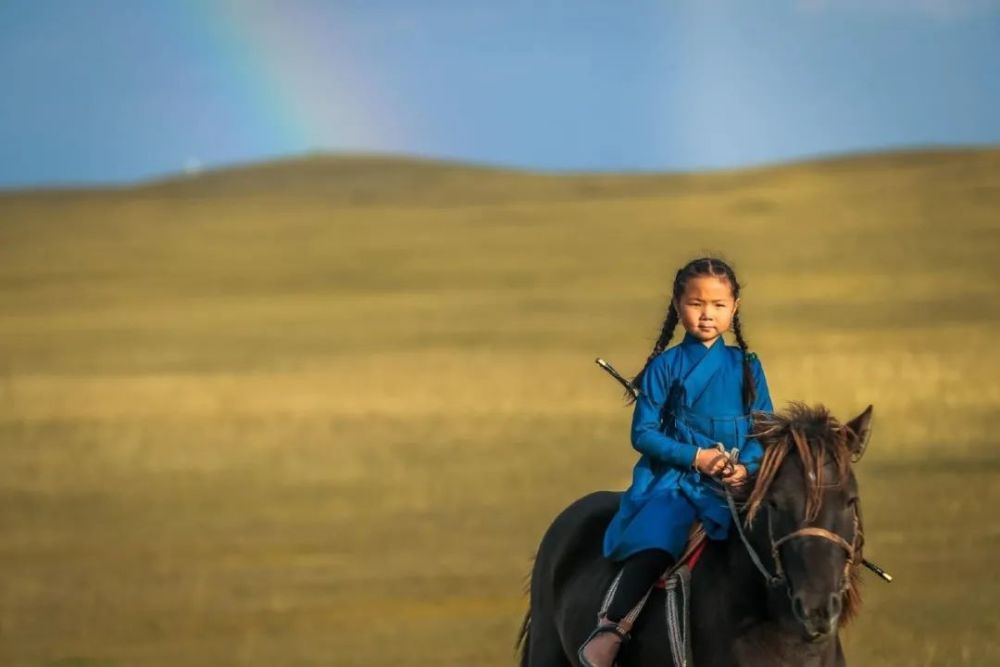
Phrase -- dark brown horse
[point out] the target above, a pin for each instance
(803, 526)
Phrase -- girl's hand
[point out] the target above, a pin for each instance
(709, 462)
(738, 477)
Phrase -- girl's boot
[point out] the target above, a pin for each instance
(601, 648)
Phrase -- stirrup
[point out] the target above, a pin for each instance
(610, 626)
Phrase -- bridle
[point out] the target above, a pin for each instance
(815, 531)
(778, 578)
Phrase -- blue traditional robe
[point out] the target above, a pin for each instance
(690, 397)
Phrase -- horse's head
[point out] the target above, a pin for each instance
(805, 515)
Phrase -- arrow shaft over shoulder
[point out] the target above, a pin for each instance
(618, 376)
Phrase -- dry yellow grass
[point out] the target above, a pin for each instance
(320, 414)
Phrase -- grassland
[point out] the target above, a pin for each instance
(320, 412)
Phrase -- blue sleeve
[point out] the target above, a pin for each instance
(647, 437)
(753, 452)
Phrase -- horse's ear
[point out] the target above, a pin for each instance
(860, 430)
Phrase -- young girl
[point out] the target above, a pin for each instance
(692, 397)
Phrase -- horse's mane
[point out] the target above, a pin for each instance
(816, 437)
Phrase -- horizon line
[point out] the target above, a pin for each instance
(319, 153)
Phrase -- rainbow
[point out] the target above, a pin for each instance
(296, 71)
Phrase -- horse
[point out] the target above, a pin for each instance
(776, 591)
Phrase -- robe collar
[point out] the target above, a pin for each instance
(705, 365)
(695, 349)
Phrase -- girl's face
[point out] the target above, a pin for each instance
(707, 307)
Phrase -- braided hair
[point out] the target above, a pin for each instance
(703, 266)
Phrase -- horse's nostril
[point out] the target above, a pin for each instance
(835, 605)
(798, 609)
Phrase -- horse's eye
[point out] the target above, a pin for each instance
(852, 502)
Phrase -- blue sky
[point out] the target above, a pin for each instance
(118, 91)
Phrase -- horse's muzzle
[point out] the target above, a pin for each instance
(818, 616)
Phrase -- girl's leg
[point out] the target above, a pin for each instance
(639, 573)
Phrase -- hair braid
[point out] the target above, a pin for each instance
(749, 390)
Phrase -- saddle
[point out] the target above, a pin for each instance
(676, 582)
